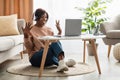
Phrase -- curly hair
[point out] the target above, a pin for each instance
(39, 13)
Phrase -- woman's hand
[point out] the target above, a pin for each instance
(58, 27)
(27, 29)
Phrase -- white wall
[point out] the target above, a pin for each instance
(58, 10)
(113, 9)
(61, 9)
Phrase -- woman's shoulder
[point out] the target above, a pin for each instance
(48, 27)
(49, 30)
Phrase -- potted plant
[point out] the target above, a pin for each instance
(94, 16)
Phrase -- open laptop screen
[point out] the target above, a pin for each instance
(73, 27)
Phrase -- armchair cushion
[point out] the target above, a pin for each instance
(113, 34)
(107, 26)
(8, 25)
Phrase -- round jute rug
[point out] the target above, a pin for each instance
(28, 70)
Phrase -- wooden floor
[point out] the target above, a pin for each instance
(110, 68)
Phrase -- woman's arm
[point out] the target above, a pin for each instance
(28, 42)
(28, 39)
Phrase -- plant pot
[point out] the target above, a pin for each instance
(90, 49)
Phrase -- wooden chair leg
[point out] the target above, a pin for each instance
(109, 49)
(21, 54)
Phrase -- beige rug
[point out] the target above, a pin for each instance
(28, 70)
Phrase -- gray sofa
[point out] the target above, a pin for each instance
(11, 45)
(112, 32)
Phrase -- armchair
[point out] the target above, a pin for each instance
(112, 32)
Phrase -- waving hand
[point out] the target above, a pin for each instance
(58, 27)
(27, 29)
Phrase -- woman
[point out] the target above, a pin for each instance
(35, 46)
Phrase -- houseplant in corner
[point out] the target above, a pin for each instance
(94, 15)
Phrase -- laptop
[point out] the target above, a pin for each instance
(73, 27)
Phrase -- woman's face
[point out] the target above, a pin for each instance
(43, 19)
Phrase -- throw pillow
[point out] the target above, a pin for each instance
(8, 25)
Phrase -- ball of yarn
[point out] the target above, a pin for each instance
(70, 63)
(116, 51)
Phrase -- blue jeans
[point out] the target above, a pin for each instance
(52, 56)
